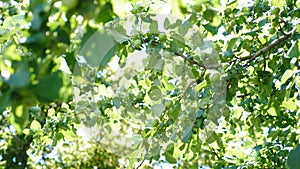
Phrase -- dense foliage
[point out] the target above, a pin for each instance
(218, 84)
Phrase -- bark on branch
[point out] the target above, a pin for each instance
(268, 47)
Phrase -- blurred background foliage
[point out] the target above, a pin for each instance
(258, 45)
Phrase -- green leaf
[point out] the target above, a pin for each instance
(211, 29)
(159, 66)
(293, 160)
(157, 109)
(35, 125)
(166, 84)
(153, 60)
(170, 158)
(49, 86)
(4, 100)
(176, 109)
(187, 134)
(182, 30)
(70, 59)
(278, 3)
(36, 39)
(118, 36)
(22, 75)
(155, 93)
(166, 23)
(117, 102)
(209, 15)
(153, 26)
(200, 86)
(290, 105)
(107, 57)
(106, 13)
(37, 20)
(212, 138)
(19, 117)
(294, 50)
(170, 148)
(231, 43)
(287, 74)
(228, 54)
(131, 162)
(177, 42)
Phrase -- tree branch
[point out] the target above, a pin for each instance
(215, 153)
(140, 164)
(268, 47)
(192, 61)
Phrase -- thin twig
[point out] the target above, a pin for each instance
(192, 61)
(214, 151)
(140, 164)
(267, 47)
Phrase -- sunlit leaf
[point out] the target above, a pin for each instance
(278, 3)
(290, 105)
(287, 74)
(35, 125)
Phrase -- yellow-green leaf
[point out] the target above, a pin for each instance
(278, 3)
(290, 105)
(287, 74)
(35, 125)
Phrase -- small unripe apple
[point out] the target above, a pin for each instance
(134, 11)
(214, 77)
(197, 7)
(130, 49)
(137, 43)
(162, 36)
(155, 123)
(275, 11)
(245, 9)
(227, 10)
(135, 37)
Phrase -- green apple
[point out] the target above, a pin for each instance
(135, 36)
(162, 36)
(137, 43)
(214, 76)
(130, 49)
(134, 11)
(197, 7)
(155, 123)
(275, 11)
